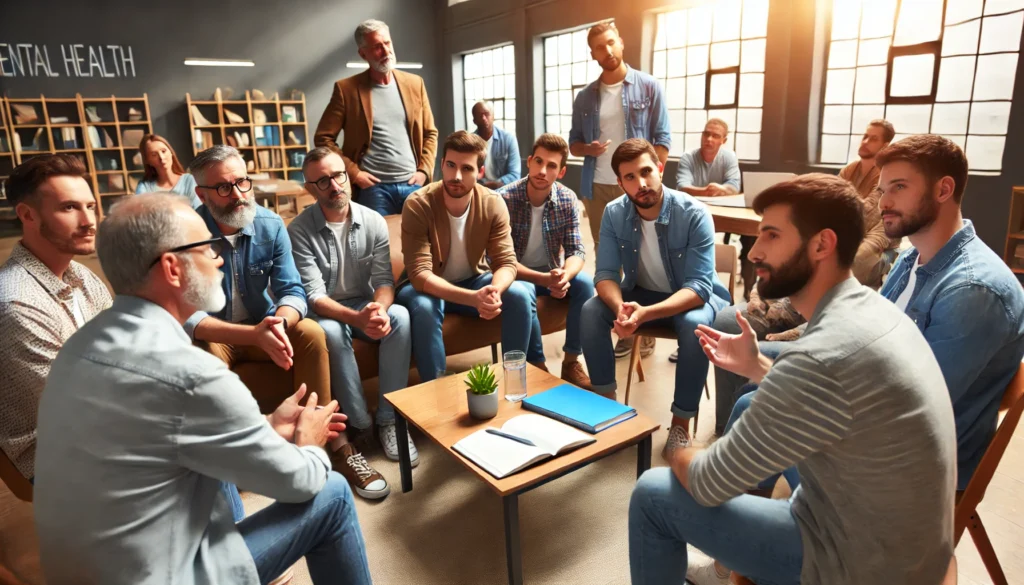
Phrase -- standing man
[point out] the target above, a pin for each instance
(459, 257)
(503, 164)
(666, 258)
(390, 139)
(343, 255)
(545, 224)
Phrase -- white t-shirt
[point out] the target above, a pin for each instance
(76, 308)
(489, 173)
(340, 231)
(651, 273)
(238, 311)
(613, 127)
(457, 269)
(536, 256)
(904, 298)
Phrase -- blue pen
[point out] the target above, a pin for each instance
(513, 437)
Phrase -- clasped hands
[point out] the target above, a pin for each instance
(631, 315)
(307, 424)
(558, 283)
(373, 320)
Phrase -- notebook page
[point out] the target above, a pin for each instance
(548, 434)
(497, 455)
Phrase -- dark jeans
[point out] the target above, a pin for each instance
(581, 289)
(386, 198)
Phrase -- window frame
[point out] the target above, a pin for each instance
(504, 99)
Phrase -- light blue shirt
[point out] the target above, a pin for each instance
(138, 430)
(186, 186)
(694, 171)
(503, 156)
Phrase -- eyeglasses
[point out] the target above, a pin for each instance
(244, 185)
(216, 247)
(323, 183)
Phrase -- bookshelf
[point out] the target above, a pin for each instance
(1015, 233)
(271, 135)
(7, 160)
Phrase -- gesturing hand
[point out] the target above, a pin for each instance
(316, 426)
(283, 419)
(597, 148)
(558, 283)
(736, 353)
(269, 335)
(488, 302)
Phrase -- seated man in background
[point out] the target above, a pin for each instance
(665, 254)
(503, 165)
(859, 392)
(450, 229)
(342, 252)
(546, 234)
(139, 429)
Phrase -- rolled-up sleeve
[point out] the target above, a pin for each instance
(609, 260)
(284, 277)
(684, 171)
(380, 271)
(192, 322)
(732, 171)
(661, 131)
(699, 273)
(572, 242)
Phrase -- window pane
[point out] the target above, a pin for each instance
(510, 126)
(676, 23)
(845, 19)
(725, 55)
(836, 119)
(566, 124)
(499, 87)
(755, 18)
(748, 146)
(510, 109)
(752, 56)
(695, 91)
(961, 141)
(551, 124)
(699, 27)
(675, 92)
(678, 143)
(677, 63)
(862, 115)
(593, 69)
(870, 85)
(877, 18)
(913, 119)
(912, 75)
(660, 33)
(551, 51)
(994, 77)
(565, 102)
(834, 148)
(727, 20)
(692, 141)
(950, 118)
(990, 117)
(499, 109)
(551, 103)
(985, 153)
(697, 60)
(695, 120)
(998, 6)
(748, 120)
(842, 54)
(469, 66)
(497, 62)
(564, 49)
(510, 58)
(751, 90)
(488, 91)
(510, 86)
(579, 73)
(953, 75)
(550, 78)
(839, 86)
(580, 48)
(1001, 33)
(564, 76)
(961, 39)
(677, 119)
(961, 10)
(874, 52)
(854, 146)
(920, 21)
(659, 69)
(723, 89)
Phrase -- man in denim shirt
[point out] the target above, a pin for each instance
(668, 279)
(503, 165)
(255, 326)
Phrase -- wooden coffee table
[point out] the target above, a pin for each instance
(439, 409)
(735, 220)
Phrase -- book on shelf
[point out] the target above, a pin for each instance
(1019, 251)
(522, 441)
(134, 115)
(277, 159)
(288, 114)
(132, 137)
(58, 119)
(107, 140)
(25, 113)
(203, 139)
(260, 135)
(94, 137)
(198, 119)
(263, 157)
(92, 114)
(4, 147)
(69, 138)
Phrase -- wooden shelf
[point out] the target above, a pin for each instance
(234, 125)
(69, 150)
(109, 172)
(135, 123)
(1016, 236)
(1017, 270)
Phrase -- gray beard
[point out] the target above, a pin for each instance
(386, 66)
(202, 295)
(238, 218)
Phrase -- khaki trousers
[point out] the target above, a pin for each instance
(603, 195)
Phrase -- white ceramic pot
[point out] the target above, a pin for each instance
(482, 406)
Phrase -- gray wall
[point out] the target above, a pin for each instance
(301, 44)
(789, 83)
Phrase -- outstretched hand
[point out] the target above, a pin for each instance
(737, 353)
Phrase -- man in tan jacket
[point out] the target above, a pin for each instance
(390, 139)
(450, 229)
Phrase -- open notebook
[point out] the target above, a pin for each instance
(502, 457)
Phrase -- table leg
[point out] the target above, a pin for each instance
(404, 460)
(513, 554)
(643, 456)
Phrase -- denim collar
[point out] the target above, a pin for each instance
(320, 220)
(629, 80)
(495, 134)
(668, 199)
(204, 212)
(949, 252)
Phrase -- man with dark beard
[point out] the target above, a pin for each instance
(390, 138)
(45, 295)
(856, 404)
(661, 270)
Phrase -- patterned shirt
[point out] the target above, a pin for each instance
(561, 221)
(37, 315)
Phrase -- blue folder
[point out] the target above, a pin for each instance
(578, 408)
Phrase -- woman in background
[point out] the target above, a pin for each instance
(163, 170)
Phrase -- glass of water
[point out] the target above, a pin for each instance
(514, 363)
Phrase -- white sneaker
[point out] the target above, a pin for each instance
(678, 438)
(388, 435)
(700, 569)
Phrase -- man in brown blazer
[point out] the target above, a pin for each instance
(390, 139)
(449, 230)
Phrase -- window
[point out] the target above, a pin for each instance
(568, 68)
(491, 76)
(928, 66)
(710, 61)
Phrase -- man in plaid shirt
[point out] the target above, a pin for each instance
(546, 233)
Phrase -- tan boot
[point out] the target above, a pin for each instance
(573, 373)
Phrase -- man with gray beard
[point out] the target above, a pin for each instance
(263, 318)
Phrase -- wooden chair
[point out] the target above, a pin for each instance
(966, 512)
(949, 579)
(16, 482)
(726, 257)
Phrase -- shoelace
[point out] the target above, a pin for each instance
(358, 464)
(391, 440)
(677, 436)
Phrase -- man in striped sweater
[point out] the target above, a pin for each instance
(858, 404)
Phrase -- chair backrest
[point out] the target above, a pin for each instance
(725, 261)
(395, 233)
(15, 481)
(1010, 410)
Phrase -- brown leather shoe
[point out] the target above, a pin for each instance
(573, 373)
(365, 480)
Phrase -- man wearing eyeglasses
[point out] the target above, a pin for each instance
(263, 318)
(343, 253)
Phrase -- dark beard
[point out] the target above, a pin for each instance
(788, 279)
(921, 218)
(68, 245)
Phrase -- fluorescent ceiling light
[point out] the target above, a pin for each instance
(219, 62)
(400, 65)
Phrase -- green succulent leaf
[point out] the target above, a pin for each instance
(481, 380)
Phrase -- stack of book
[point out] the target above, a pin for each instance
(203, 139)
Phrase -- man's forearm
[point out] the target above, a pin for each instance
(695, 191)
(662, 153)
(531, 275)
(332, 309)
(214, 330)
(681, 301)
(289, 314)
(611, 294)
(384, 296)
(438, 287)
(503, 278)
(573, 265)
(578, 149)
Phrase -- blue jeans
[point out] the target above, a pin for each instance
(325, 530)
(386, 198)
(756, 537)
(581, 289)
(393, 364)
(692, 369)
(426, 314)
(791, 475)
(234, 500)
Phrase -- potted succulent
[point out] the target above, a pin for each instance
(482, 392)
